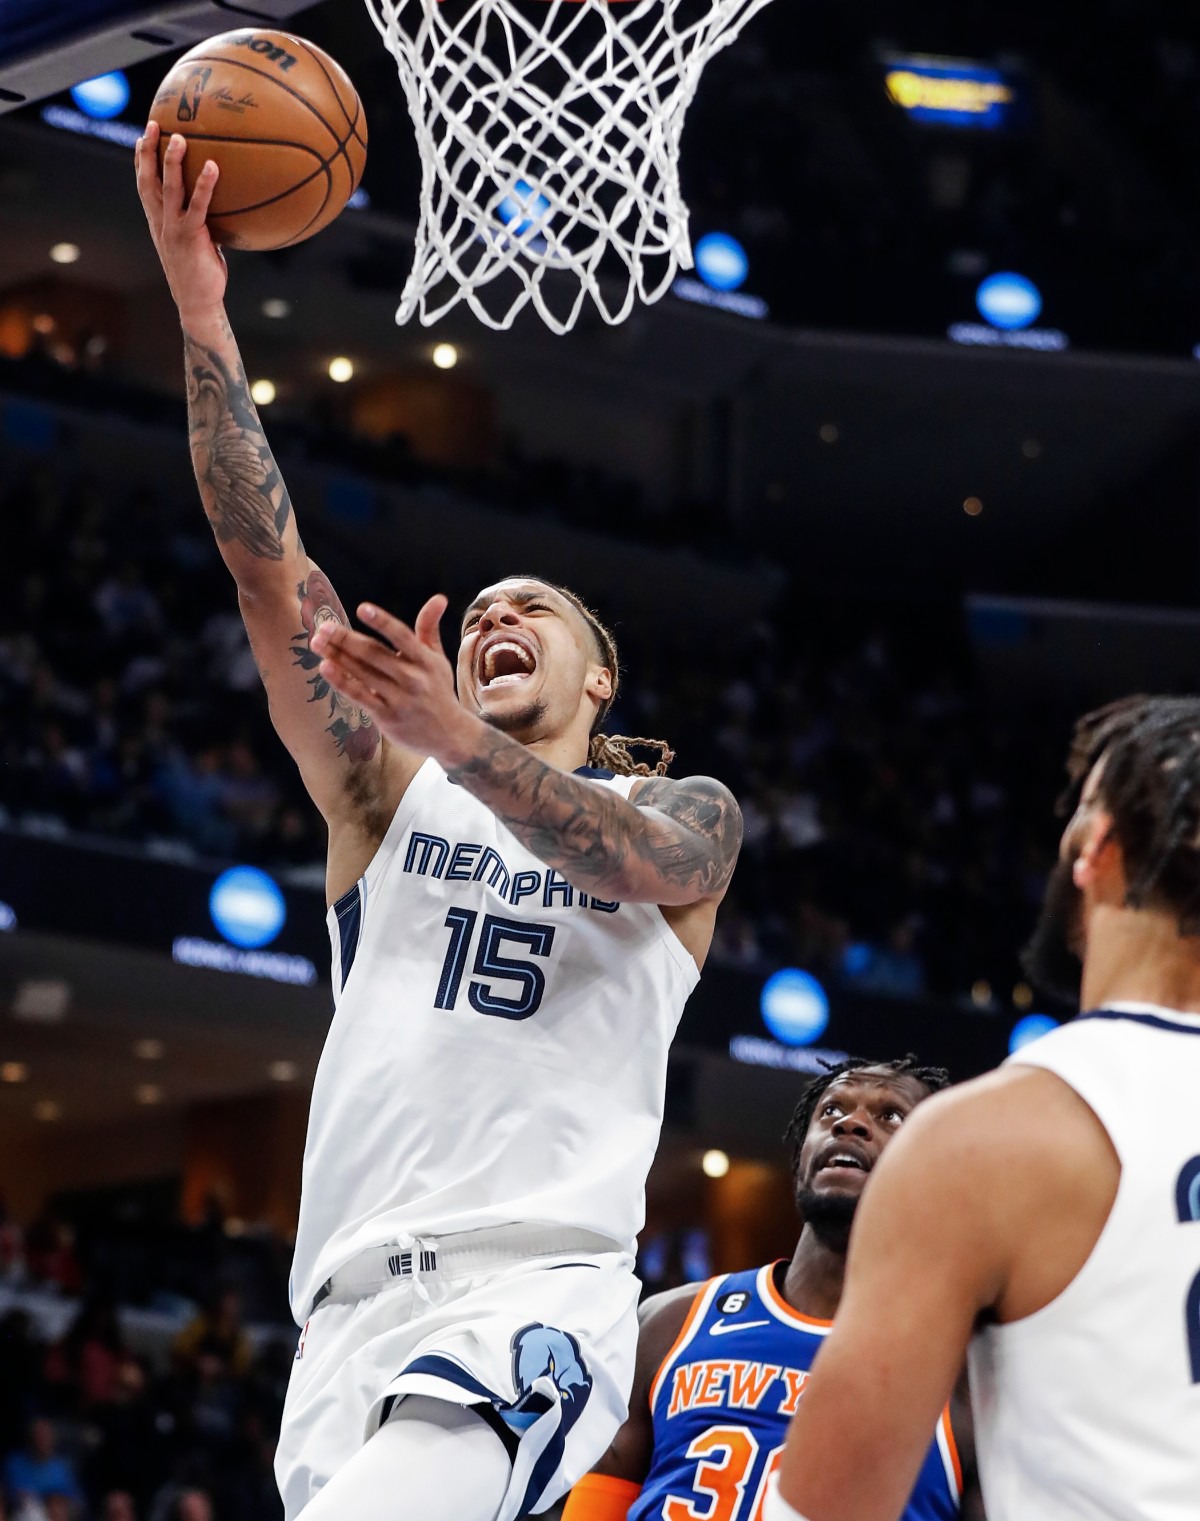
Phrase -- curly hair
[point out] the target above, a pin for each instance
(1150, 785)
(934, 1078)
(609, 752)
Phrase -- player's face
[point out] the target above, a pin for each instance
(527, 663)
(855, 1118)
(1053, 959)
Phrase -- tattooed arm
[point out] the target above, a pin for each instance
(672, 843)
(284, 597)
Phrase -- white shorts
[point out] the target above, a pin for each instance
(545, 1343)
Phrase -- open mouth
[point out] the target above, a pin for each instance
(504, 663)
(844, 1160)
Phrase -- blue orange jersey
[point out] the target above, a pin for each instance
(721, 1404)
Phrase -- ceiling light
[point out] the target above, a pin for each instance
(262, 393)
(341, 369)
(44, 323)
(445, 356)
(973, 507)
(13, 1072)
(148, 1093)
(829, 433)
(47, 1110)
(283, 1072)
(41, 1001)
(981, 993)
(1031, 449)
(715, 1164)
(149, 1050)
(65, 253)
(276, 307)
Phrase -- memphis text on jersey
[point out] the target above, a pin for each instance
(429, 855)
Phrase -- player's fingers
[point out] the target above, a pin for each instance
(206, 183)
(149, 182)
(427, 625)
(172, 178)
(360, 654)
(397, 634)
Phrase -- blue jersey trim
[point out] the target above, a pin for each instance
(350, 910)
(1154, 1021)
(597, 773)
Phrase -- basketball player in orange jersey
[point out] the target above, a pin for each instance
(515, 930)
(1048, 1215)
(722, 1366)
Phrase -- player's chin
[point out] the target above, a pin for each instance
(513, 708)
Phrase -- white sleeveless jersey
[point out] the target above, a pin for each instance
(1089, 1410)
(498, 1053)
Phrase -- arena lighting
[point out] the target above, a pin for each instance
(523, 209)
(276, 308)
(721, 261)
(148, 1050)
(14, 1072)
(47, 1111)
(1032, 1027)
(794, 1007)
(283, 1072)
(444, 356)
(1009, 301)
(715, 1164)
(104, 96)
(341, 370)
(247, 907)
(8, 918)
(65, 253)
(263, 393)
(147, 1093)
(950, 92)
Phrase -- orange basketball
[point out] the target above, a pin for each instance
(283, 123)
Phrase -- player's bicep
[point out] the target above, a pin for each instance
(694, 837)
(332, 741)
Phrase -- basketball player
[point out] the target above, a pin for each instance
(1048, 1215)
(515, 932)
(722, 1366)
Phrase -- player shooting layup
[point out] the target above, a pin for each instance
(1051, 1208)
(515, 934)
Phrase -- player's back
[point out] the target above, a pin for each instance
(722, 1400)
(1090, 1408)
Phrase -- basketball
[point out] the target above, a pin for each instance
(284, 125)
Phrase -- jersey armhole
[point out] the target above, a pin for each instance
(690, 1325)
(948, 1448)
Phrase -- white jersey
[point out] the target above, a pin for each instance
(1089, 1410)
(498, 1054)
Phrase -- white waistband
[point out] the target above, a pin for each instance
(455, 1256)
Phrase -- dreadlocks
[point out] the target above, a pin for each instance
(934, 1078)
(609, 752)
(1150, 784)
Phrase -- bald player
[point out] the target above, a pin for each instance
(518, 913)
(1047, 1217)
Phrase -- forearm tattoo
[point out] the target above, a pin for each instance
(600, 842)
(240, 485)
(353, 731)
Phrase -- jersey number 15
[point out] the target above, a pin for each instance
(494, 935)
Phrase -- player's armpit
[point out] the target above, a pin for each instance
(599, 1497)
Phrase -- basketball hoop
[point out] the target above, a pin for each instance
(549, 137)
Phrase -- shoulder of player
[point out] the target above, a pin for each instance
(660, 1320)
(671, 794)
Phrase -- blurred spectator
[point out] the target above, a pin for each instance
(215, 1342)
(38, 1475)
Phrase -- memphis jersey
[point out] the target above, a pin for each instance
(1090, 1408)
(724, 1397)
(498, 1053)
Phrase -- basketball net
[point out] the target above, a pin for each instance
(549, 137)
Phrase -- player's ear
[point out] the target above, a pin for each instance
(599, 683)
(1099, 861)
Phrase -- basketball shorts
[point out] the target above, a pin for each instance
(540, 1338)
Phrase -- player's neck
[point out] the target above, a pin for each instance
(1139, 956)
(814, 1278)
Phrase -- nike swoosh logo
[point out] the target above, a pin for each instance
(723, 1328)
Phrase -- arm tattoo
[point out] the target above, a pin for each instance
(352, 729)
(602, 843)
(240, 485)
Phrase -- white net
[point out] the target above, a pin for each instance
(549, 135)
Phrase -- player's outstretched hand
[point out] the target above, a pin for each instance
(405, 684)
(194, 265)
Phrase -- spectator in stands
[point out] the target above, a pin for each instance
(215, 1338)
(38, 1473)
(118, 1506)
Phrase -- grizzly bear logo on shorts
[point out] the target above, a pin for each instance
(543, 1352)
